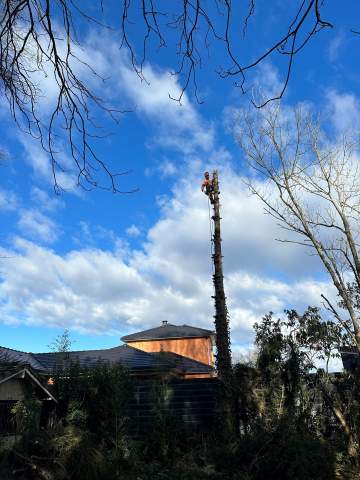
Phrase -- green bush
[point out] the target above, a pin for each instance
(75, 415)
(281, 454)
(26, 415)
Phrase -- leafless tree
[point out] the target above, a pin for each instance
(39, 37)
(196, 27)
(312, 189)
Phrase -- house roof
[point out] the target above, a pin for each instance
(26, 373)
(10, 356)
(130, 357)
(167, 330)
(185, 364)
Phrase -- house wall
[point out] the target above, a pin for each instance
(199, 349)
(13, 390)
(192, 405)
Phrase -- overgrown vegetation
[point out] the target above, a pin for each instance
(295, 419)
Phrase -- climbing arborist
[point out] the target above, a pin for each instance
(207, 186)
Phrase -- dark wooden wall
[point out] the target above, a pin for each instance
(189, 405)
(6, 424)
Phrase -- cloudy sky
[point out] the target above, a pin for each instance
(104, 265)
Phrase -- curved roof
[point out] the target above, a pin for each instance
(131, 358)
(167, 330)
(10, 356)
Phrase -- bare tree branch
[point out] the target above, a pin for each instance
(196, 22)
(38, 37)
(314, 190)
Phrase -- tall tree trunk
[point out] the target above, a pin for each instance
(223, 357)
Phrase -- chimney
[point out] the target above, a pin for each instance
(164, 323)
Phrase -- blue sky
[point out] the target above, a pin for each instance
(104, 265)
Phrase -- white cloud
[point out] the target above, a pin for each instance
(92, 290)
(180, 126)
(89, 290)
(267, 83)
(167, 169)
(175, 125)
(335, 47)
(8, 200)
(35, 224)
(344, 111)
(48, 90)
(164, 169)
(40, 161)
(88, 235)
(133, 231)
(46, 202)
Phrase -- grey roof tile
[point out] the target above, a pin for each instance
(132, 358)
(8, 355)
(186, 364)
(129, 357)
(168, 331)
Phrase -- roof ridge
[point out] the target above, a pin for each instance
(14, 350)
(70, 351)
(168, 330)
(29, 357)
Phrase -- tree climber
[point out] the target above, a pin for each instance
(207, 187)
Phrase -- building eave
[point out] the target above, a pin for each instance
(164, 338)
(21, 374)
